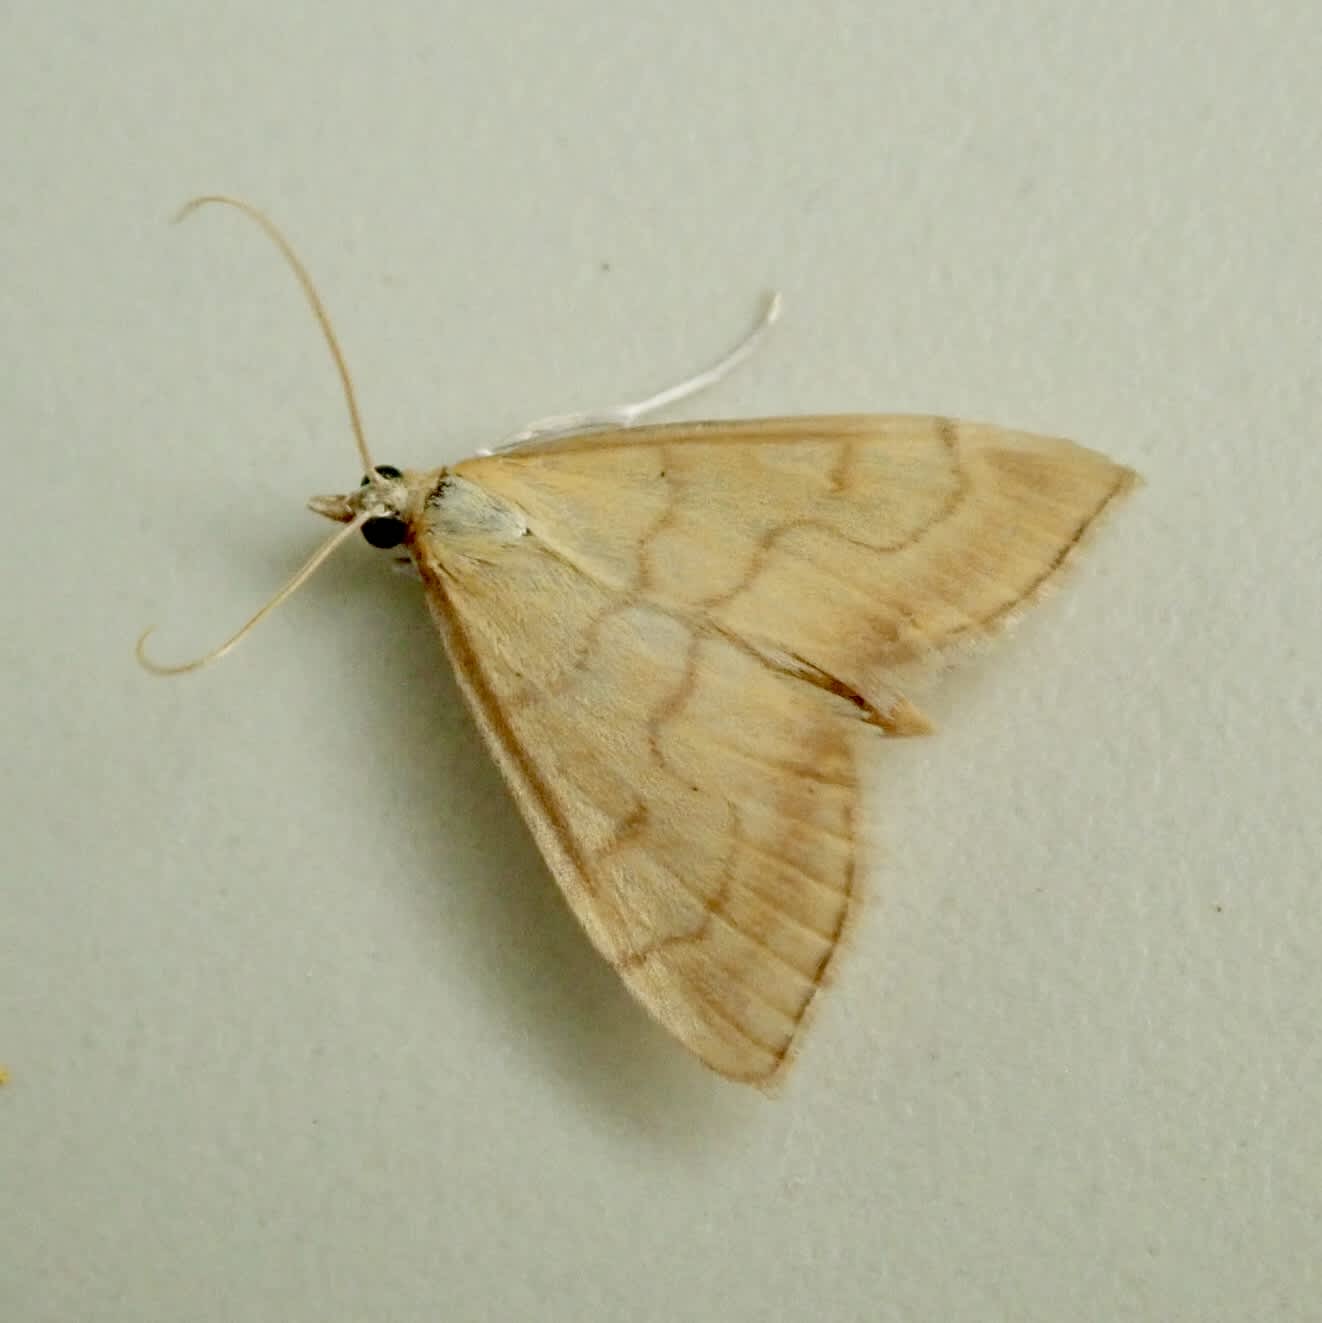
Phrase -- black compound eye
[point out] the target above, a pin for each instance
(384, 471)
(385, 531)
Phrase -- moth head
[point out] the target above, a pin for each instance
(382, 506)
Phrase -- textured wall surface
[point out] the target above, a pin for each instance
(296, 1025)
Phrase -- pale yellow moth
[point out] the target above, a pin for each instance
(675, 640)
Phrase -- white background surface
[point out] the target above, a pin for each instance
(297, 1026)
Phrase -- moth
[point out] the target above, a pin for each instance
(678, 640)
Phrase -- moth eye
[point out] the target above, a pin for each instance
(384, 471)
(385, 531)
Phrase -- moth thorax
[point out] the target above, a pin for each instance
(460, 511)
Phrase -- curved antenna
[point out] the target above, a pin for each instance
(318, 308)
(300, 578)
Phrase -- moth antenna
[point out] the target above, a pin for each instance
(318, 307)
(312, 564)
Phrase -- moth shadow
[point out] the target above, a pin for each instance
(500, 919)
